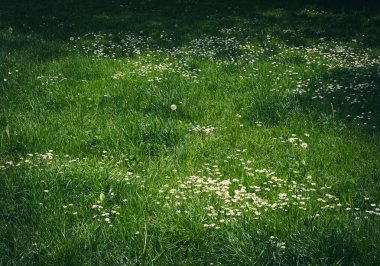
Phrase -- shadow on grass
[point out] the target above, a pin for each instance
(58, 20)
(337, 96)
(348, 95)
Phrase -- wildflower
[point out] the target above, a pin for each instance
(173, 107)
(304, 145)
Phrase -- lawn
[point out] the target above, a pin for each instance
(189, 132)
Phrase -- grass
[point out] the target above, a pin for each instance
(189, 133)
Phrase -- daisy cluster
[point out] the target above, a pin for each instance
(105, 213)
(293, 140)
(108, 45)
(51, 80)
(258, 192)
(206, 130)
(253, 192)
(154, 70)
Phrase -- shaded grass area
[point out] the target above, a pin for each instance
(271, 155)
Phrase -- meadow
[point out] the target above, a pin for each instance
(189, 132)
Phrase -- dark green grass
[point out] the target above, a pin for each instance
(252, 73)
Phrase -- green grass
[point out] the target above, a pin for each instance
(271, 155)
